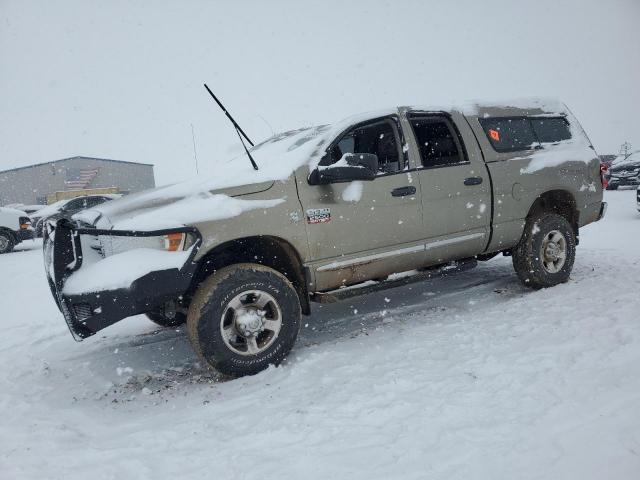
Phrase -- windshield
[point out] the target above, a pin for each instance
(53, 208)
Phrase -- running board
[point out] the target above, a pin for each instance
(334, 296)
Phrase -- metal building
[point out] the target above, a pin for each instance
(35, 183)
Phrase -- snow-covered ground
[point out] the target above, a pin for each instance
(465, 377)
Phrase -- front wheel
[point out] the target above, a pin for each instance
(244, 318)
(546, 252)
(6, 242)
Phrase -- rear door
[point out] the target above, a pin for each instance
(455, 183)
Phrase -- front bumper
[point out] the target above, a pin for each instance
(624, 181)
(88, 313)
(26, 234)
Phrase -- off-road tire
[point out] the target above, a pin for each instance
(527, 257)
(7, 242)
(209, 304)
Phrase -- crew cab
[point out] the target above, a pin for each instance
(240, 257)
(15, 227)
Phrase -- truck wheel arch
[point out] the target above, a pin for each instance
(270, 251)
(561, 202)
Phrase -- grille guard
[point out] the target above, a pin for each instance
(88, 313)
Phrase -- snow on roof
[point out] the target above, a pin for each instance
(534, 106)
(13, 211)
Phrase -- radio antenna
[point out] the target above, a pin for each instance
(239, 130)
(195, 154)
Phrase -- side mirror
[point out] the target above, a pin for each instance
(352, 166)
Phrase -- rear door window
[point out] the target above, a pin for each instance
(509, 134)
(551, 130)
(437, 141)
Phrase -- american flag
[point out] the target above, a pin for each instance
(78, 179)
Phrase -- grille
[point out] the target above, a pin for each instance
(82, 311)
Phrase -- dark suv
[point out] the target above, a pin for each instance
(625, 172)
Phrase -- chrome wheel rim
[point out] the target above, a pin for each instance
(251, 322)
(553, 251)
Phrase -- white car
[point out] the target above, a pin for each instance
(15, 227)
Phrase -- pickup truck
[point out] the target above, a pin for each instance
(15, 227)
(241, 256)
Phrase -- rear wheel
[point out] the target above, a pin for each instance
(6, 242)
(244, 318)
(545, 255)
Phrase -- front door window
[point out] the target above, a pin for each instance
(380, 139)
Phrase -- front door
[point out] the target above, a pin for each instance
(364, 229)
(456, 189)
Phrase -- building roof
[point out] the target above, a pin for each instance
(74, 158)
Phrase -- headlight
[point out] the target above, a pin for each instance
(25, 223)
(174, 242)
(109, 245)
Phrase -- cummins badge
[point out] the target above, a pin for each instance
(318, 215)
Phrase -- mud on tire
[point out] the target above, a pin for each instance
(545, 254)
(228, 304)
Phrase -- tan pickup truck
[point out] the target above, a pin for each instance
(241, 256)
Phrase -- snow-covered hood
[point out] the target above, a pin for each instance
(166, 207)
(629, 165)
(50, 209)
(219, 197)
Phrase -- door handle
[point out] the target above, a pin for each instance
(473, 181)
(403, 191)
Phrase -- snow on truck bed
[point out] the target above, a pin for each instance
(466, 377)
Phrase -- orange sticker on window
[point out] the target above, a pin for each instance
(494, 134)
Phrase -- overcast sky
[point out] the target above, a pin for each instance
(123, 80)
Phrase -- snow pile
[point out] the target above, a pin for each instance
(122, 269)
